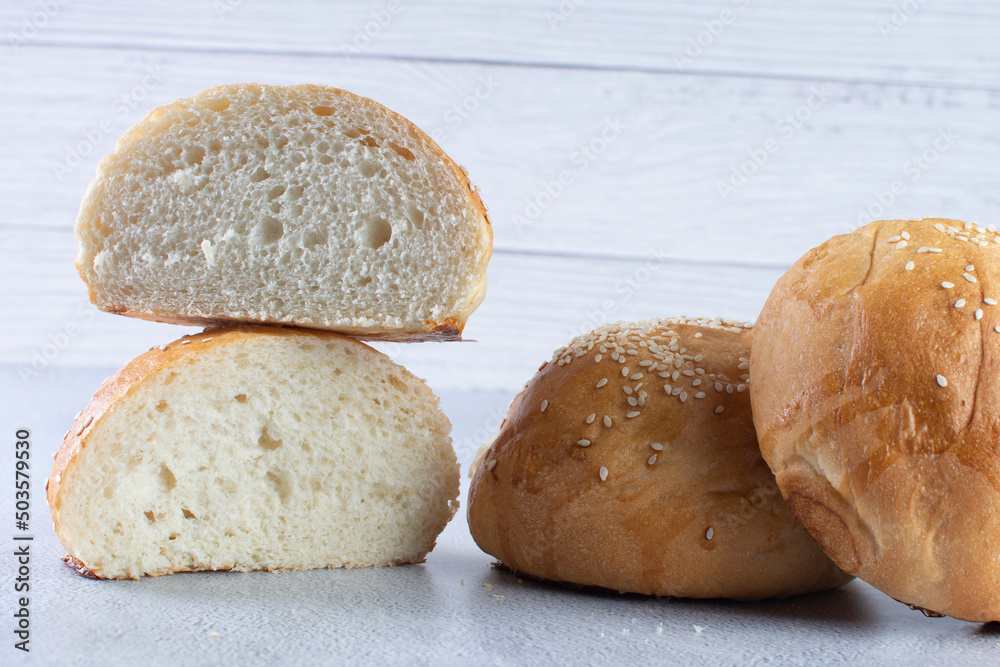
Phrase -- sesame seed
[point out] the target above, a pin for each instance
(729, 388)
(635, 376)
(934, 250)
(58, 479)
(675, 376)
(607, 421)
(603, 473)
(905, 235)
(740, 388)
(163, 348)
(632, 401)
(698, 335)
(979, 313)
(625, 371)
(947, 285)
(633, 414)
(970, 267)
(583, 442)
(628, 390)
(652, 459)
(700, 394)
(85, 424)
(491, 465)
(900, 245)
(591, 417)
(709, 533)
(997, 328)
(921, 250)
(185, 342)
(968, 276)
(909, 266)
(646, 362)
(960, 303)
(684, 396)
(545, 404)
(602, 382)
(942, 381)
(205, 340)
(657, 446)
(719, 409)
(988, 301)
(632, 352)
(718, 386)
(688, 373)
(696, 382)
(938, 226)
(893, 239)
(597, 358)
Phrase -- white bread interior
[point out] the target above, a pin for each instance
(255, 448)
(301, 205)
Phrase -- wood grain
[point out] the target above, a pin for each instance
(914, 41)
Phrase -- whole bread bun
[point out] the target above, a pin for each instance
(630, 462)
(301, 205)
(254, 448)
(877, 404)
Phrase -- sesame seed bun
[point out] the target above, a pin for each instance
(630, 462)
(875, 398)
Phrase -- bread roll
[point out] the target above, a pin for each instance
(629, 462)
(299, 205)
(254, 448)
(877, 403)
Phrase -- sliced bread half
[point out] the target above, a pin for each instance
(254, 448)
(302, 205)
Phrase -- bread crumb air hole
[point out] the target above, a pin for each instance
(220, 104)
(149, 515)
(268, 231)
(266, 441)
(260, 175)
(194, 155)
(402, 152)
(323, 111)
(162, 406)
(188, 514)
(377, 232)
(241, 398)
(167, 477)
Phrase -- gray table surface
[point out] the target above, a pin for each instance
(455, 609)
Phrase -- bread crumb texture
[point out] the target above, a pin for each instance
(630, 462)
(256, 449)
(304, 205)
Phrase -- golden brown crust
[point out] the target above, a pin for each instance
(160, 118)
(116, 387)
(636, 468)
(892, 468)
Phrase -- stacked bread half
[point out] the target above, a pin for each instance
(291, 221)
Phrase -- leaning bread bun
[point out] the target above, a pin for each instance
(301, 205)
(877, 403)
(254, 448)
(629, 462)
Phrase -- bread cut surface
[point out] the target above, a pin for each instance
(630, 462)
(254, 448)
(301, 205)
(875, 395)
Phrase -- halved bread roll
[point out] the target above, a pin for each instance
(630, 462)
(254, 448)
(302, 205)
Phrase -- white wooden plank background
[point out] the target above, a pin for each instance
(78, 73)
